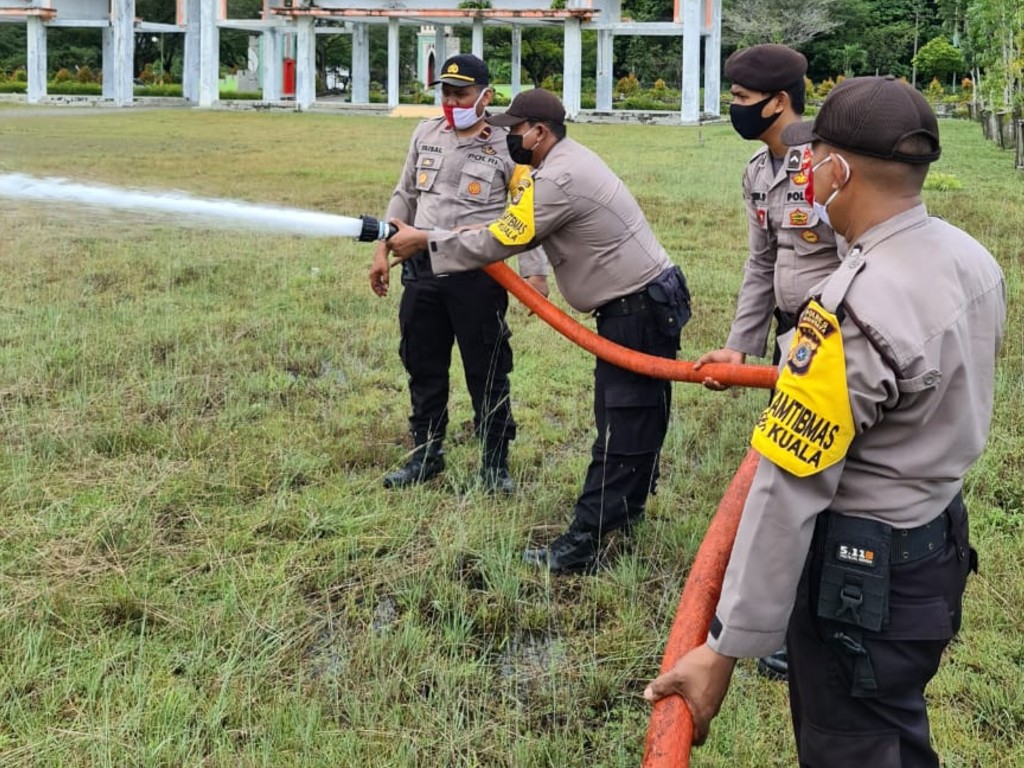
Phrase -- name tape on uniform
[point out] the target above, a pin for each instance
(808, 425)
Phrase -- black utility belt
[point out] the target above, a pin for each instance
(625, 305)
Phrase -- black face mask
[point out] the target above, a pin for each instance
(516, 150)
(747, 120)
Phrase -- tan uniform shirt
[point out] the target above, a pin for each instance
(791, 250)
(924, 322)
(595, 236)
(449, 182)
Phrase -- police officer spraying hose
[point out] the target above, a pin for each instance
(853, 543)
(606, 260)
(458, 172)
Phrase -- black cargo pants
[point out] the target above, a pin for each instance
(631, 412)
(434, 313)
(889, 729)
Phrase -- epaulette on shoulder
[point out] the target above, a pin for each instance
(758, 155)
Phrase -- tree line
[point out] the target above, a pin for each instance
(955, 42)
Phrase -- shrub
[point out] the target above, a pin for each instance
(498, 100)
(12, 86)
(164, 89)
(643, 101)
(825, 88)
(935, 91)
(74, 88)
(85, 74)
(240, 95)
(627, 86)
(63, 75)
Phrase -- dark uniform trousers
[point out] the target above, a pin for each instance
(888, 728)
(632, 414)
(468, 307)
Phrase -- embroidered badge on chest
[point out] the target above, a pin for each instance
(809, 236)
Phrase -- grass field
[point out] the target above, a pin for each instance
(198, 564)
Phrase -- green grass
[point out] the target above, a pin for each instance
(198, 564)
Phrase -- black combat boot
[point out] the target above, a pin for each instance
(427, 461)
(575, 551)
(774, 666)
(494, 473)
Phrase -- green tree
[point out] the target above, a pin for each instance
(938, 58)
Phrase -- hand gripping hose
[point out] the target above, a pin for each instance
(670, 733)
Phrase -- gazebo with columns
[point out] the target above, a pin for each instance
(201, 21)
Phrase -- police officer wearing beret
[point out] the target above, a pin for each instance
(855, 532)
(791, 245)
(458, 172)
(607, 261)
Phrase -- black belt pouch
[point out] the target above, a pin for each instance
(417, 267)
(854, 587)
(670, 299)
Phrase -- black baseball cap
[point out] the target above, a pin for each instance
(871, 116)
(534, 106)
(766, 68)
(462, 70)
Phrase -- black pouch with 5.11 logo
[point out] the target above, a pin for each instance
(854, 586)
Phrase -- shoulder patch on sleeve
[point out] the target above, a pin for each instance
(516, 225)
(808, 426)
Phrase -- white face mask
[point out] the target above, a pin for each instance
(466, 117)
(822, 208)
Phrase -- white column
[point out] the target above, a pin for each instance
(270, 65)
(478, 38)
(394, 76)
(190, 71)
(573, 70)
(440, 55)
(360, 64)
(209, 55)
(305, 62)
(36, 59)
(605, 68)
(517, 59)
(712, 61)
(691, 62)
(121, 51)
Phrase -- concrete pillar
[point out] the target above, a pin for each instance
(209, 55)
(190, 70)
(360, 64)
(691, 62)
(36, 59)
(394, 76)
(573, 71)
(440, 55)
(712, 60)
(271, 66)
(517, 59)
(119, 53)
(605, 69)
(478, 38)
(305, 62)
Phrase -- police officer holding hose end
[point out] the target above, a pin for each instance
(854, 539)
(457, 172)
(606, 260)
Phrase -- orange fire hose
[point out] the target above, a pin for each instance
(670, 733)
(761, 376)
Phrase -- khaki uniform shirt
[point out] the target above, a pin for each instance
(449, 182)
(923, 323)
(595, 236)
(791, 250)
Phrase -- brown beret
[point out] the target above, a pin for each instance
(766, 67)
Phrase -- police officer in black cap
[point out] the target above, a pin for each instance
(791, 245)
(457, 173)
